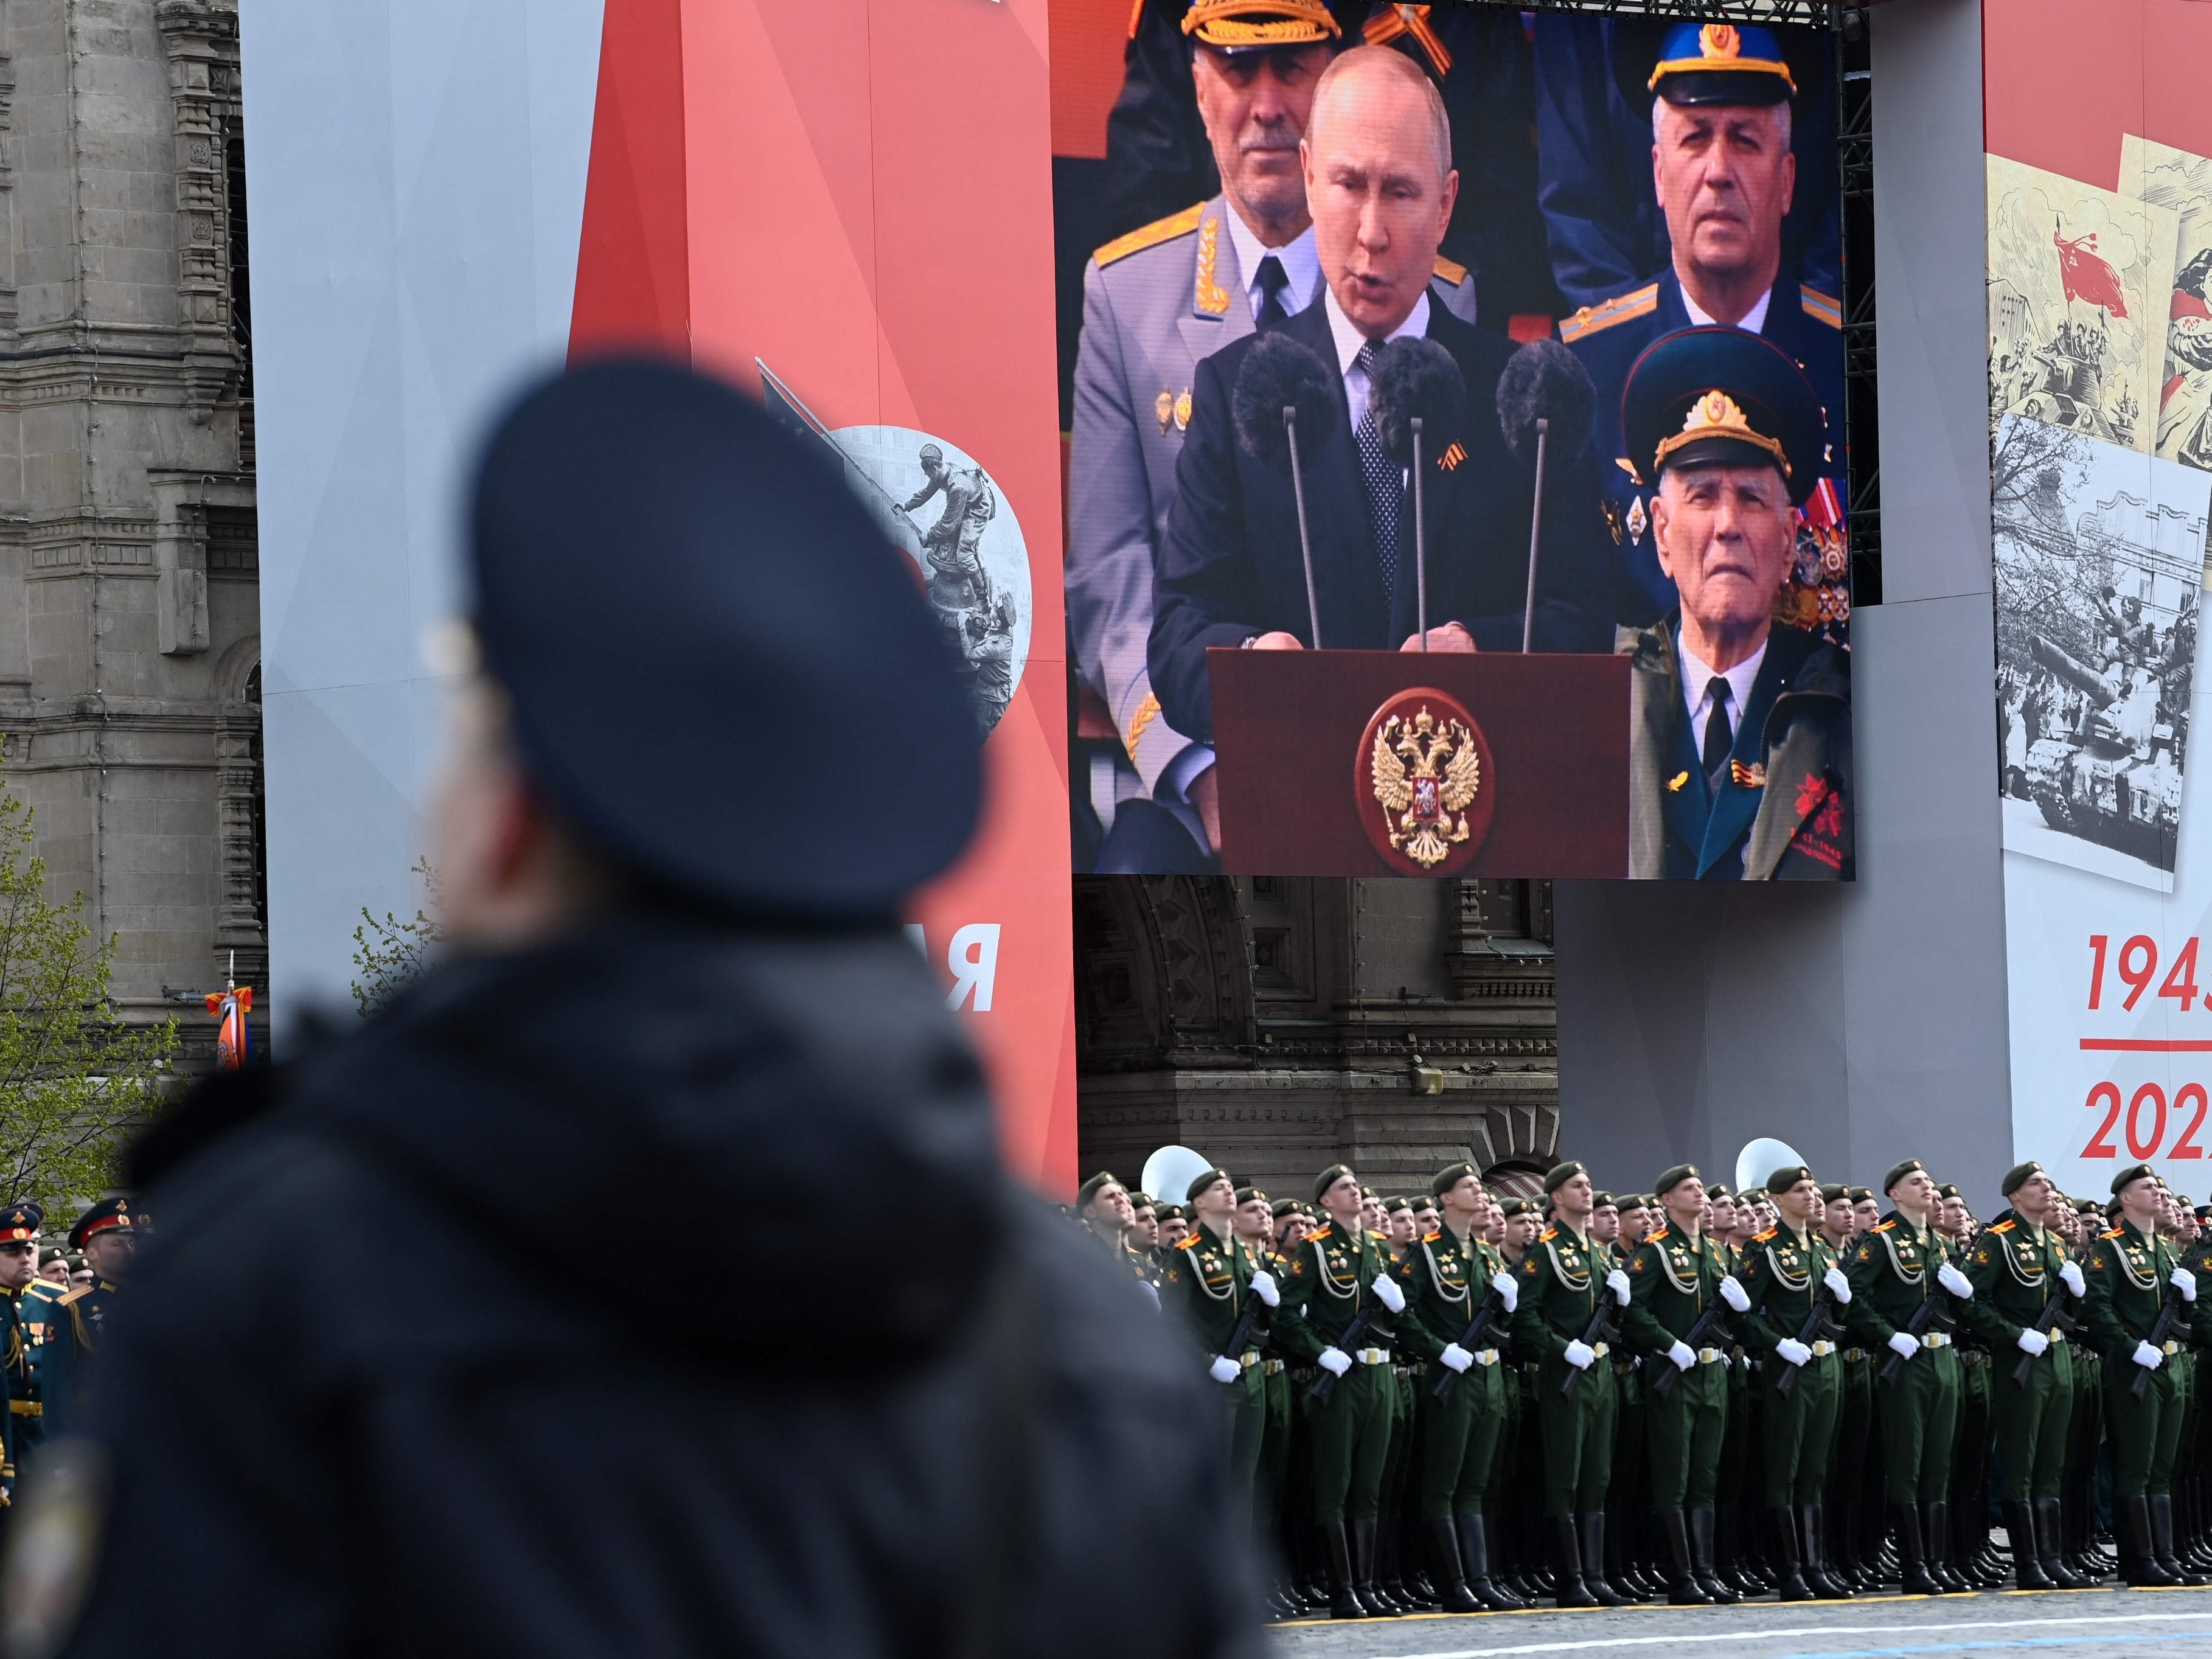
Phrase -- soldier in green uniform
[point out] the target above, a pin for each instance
(1675, 1278)
(1208, 1279)
(1338, 1270)
(1103, 1203)
(2020, 1268)
(1847, 1482)
(1971, 1553)
(1390, 1553)
(1565, 1284)
(2130, 1269)
(1517, 1484)
(1789, 1271)
(1896, 1269)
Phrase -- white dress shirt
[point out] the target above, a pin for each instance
(1697, 689)
(1349, 339)
(1753, 320)
(1301, 264)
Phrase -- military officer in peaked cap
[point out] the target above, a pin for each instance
(1725, 174)
(23, 1304)
(107, 1233)
(2132, 1270)
(1740, 726)
(1681, 1288)
(260, 1443)
(1209, 1286)
(1568, 1297)
(2022, 1271)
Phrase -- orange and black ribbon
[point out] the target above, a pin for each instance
(1393, 20)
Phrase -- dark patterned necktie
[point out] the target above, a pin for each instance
(1385, 480)
(1273, 280)
(1720, 736)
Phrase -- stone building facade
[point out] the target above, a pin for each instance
(130, 618)
(1281, 1024)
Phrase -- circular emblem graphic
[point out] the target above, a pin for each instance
(954, 522)
(1425, 782)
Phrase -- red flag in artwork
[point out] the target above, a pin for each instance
(2086, 277)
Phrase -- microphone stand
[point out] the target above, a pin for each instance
(1536, 531)
(1420, 542)
(1305, 541)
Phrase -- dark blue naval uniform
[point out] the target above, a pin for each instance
(65, 1357)
(1803, 321)
(27, 1316)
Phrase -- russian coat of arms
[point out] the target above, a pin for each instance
(1427, 773)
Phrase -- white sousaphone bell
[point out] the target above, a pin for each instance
(1761, 1158)
(1170, 1171)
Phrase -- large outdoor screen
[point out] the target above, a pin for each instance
(1455, 466)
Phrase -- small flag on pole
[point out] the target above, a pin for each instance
(234, 1034)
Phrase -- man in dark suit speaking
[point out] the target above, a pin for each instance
(1379, 183)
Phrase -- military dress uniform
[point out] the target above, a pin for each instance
(78, 1320)
(1674, 1280)
(23, 1427)
(1208, 1286)
(2018, 1269)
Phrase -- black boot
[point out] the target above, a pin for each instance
(1913, 1577)
(1344, 1601)
(1828, 1586)
(1371, 1597)
(1683, 1590)
(1936, 1541)
(1594, 1580)
(2161, 1541)
(1568, 1589)
(1791, 1585)
(1449, 1576)
(2050, 1552)
(2028, 1571)
(2139, 1567)
(1474, 1567)
(1701, 1558)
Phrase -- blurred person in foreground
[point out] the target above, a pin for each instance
(678, 983)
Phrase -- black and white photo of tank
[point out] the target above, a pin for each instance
(2100, 559)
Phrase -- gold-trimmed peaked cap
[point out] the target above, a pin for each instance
(21, 1222)
(1722, 396)
(1259, 25)
(1722, 63)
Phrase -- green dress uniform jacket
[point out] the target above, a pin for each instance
(2127, 1274)
(33, 1327)
(1673, 1279)
(1331, 1279)
(1206, 1285)
(2014, 1265)
(1562, 1283)
(1784, 1275)
(1447, 1281)
(1893, 1271)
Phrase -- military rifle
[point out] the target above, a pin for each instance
(1819, 1326)
(2054, 1317)
(1715, 1316)
(1354, 1339)
(1247, 1326)
(2170, 1327)
(1601, 1329)
(1485, 1325)
(1935, 1310)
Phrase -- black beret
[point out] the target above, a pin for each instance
(1450, 1176)
(1400, 1203)
(1787, 1176)
(1634, 1201)
(1861, 1194)
(646, 538)
(1721, 396)
(1898, 1171)
(1246, 1194)
(1284, 1206)
(1834, 1191)
(1328, 1178)
(1173, 1213)
(1203, 1179)
(1141, 1201)
(1560, 1175)
(2133, 1172)
(1672, 1178)
(1719, 1189)
(1599, 1201)
(2019, 1175)
(1518, 1206)
(1089, 1189)
(1948, 1189)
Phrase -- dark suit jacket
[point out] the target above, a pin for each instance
(1229, 566)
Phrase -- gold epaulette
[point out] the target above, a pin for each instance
(1593, 320)
(1654, 1237)
(1187, 1241)
(1451, 270)
(1821, 307)
(1761, 1238)
(71, 1298)
(1321, 1232)
(1884, 1226)
(1549, 1234)
(1433, 1234)
(2002, 1227)
(1151, 235)
(2115, 1233)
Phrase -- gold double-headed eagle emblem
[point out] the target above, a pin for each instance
(1426, 773)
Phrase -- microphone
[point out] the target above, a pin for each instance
(1415, 390)
(1285, 402)
(1545, 391)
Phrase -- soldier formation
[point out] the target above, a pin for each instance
(52, 1321)
(1465, 1400)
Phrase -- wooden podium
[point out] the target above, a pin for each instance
(1295, 733)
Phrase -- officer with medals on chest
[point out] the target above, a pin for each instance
(2131, 1274)
(1897, 1270)
(1564, 1283)
(1791, 1270)
(22, 1306)
(1206, 1284)
(1722, 122)
(107, 1234)
(1339, 1270)
(1452, 1275)
(2019, 1267)
(1677, 1276)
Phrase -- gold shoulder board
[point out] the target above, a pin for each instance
(1821, 307)
(1151, 235)
(1595, 319)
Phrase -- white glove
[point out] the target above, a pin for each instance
(2187, 1280)
(1733, 1294)
(1617, 1282)
(1387, 1291)
(1263, 1286)
(1839, 1286)
(1581, 1355)
(2034, 1342)
(1792, 1349)
(2071, 1273)
(1955, 1281)
(1223, 1368)
(1334, 1361)
(1903, 1346)
(1683, 1355)
(1509, 1293)
(1456, 1357)
(2149, 1357)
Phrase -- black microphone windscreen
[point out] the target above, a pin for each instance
(1546, 380)
(1416, 378)
(1280, 373)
